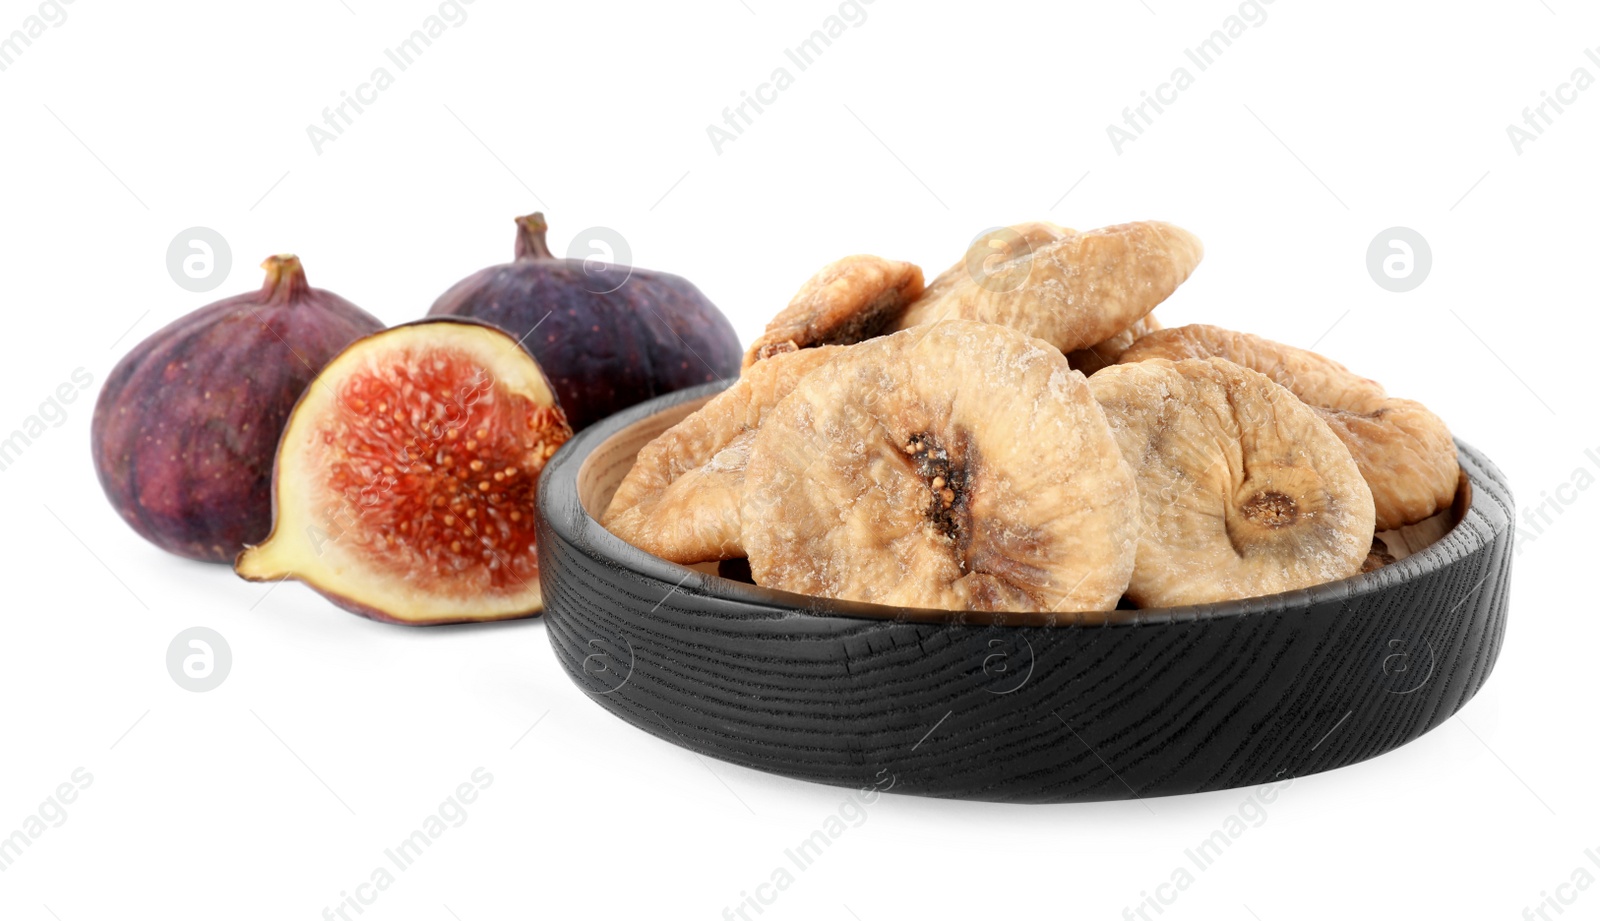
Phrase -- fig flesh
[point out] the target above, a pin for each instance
(187, 424)
(405, 482)
(608, 336)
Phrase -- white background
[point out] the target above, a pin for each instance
(334, 737)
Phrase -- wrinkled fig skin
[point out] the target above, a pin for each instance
(604, 350)
(187, 424)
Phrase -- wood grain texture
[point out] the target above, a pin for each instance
(1133, 704)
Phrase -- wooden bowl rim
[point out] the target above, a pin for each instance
(558, 484)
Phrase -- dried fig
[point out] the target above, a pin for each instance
(1073, 291)
(187, 424)
(1105, 354)
(1007, 243)
(681, 499)
(737, 570)
(1000, 246)
(1404, 451)
(1244, 491)
(960, 465)
(1378, 557)
(405, 482)
(853, 299)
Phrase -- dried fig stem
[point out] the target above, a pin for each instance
(531, 244)
(286, 280)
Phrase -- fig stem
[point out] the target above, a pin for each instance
(531, 244)
(286, 279)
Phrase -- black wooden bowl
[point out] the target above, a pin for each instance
(1021, 708)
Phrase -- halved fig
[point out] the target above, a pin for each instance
(405, 480)
(1405, 451)
(1073, 291)
(681, 499)
(960, 466)
(1244, 490)
(850, 300)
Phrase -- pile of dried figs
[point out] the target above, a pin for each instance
(392, 470)
(1021, 434)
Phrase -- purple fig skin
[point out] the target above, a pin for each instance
(604, 350)
(187, 424)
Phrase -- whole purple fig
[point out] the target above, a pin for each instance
(187, 425)
(608, 336)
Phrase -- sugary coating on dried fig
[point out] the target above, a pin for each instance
(1405, 452)
(1105, 354)
(1001, 248)
(959, 466)
(850, 300)
(1015, 240)
(1074, 291)
(1244, 491)
(681, 499)
(996, 247)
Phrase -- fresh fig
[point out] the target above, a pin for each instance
(187, 423)
(406, 477)
(609, 336)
